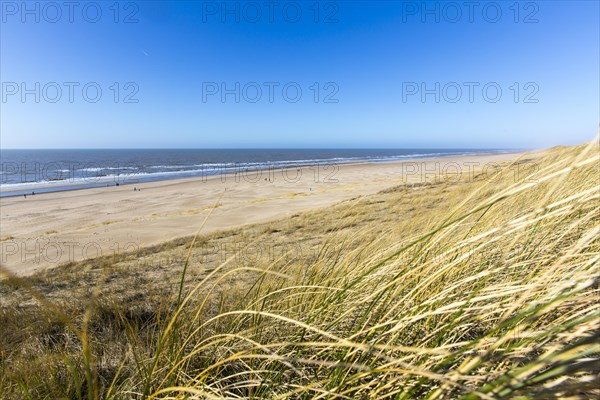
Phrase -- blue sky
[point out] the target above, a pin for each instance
(371, 74)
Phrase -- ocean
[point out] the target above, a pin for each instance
(39, 171)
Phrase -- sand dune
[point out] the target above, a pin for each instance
(51, 229)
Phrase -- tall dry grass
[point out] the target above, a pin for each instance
(491, 293)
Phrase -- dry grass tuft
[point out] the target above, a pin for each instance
(446, 289)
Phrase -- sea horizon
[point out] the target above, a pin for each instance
(50, 170)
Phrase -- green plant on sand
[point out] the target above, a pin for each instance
(464, 288)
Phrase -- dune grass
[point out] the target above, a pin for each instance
(457, 287)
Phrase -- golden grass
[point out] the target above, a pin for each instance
(478, 288)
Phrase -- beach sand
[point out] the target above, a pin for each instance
(50, 229)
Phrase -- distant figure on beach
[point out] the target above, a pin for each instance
(117, 184)
(134, 189)
(24, 195)
(33, 193)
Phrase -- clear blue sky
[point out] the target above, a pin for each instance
(376, 56)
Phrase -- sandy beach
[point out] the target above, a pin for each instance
(50, 229)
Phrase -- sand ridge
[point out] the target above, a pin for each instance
(50, 229)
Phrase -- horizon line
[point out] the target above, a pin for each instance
(269, 148)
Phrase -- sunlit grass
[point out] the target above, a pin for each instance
(474, 288)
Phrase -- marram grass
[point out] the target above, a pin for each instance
(486, 288)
